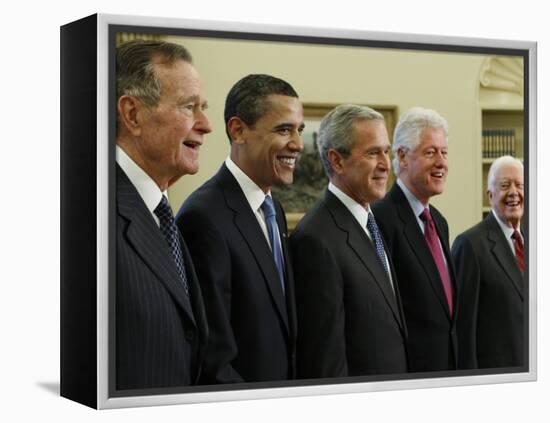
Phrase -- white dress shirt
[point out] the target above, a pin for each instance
(252, 192)
(508, 231)
(147, 189)
(359, 213)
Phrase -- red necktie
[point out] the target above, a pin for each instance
(518, 244)
(430, 233)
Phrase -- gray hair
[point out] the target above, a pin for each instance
(497, 165)
(409, 129)
(135, 73)
(336, 130)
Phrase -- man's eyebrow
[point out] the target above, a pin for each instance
(285, 125)
(192, 98)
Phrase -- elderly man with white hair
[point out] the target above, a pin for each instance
(417, 236)
(489, 261)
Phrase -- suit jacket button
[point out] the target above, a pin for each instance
(189, 335)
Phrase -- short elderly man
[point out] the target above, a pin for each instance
(489, 261)
(350, 320)
(160, 321)
(418, 239)
(237, 236)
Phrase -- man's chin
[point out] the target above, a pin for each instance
(189, 169)
(379, 195)
(437, 190)
(514, 218)
(282, 182)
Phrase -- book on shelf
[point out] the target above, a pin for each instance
(498, 142)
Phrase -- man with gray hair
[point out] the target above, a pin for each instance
(350, 319)
(160, 320)
(418, 239)
(489, 260)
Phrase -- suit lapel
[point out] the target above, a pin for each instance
(503, 254)
(363, 247)
(418, 245)
(147, 240)
(248, 226)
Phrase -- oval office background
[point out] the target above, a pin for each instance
(480, 95)
(477, 93)
(32, 384)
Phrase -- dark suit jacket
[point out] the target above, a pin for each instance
(252, 323)
(160, 331)
(491, 324)
(349, 319)
(432, 341)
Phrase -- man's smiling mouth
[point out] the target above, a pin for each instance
(289, 161)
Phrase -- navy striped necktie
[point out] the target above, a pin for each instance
(171, 234)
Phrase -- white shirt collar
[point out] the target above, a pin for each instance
(506, 230)
(253, 193)
(416, 205)
(357, 210)
(360, 214)
(145, 186)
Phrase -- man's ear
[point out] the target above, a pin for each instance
(236, 128)
(402, 156)
(489, 195)
(129, 111)
(336, 161)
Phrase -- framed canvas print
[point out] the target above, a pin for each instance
(174, 290)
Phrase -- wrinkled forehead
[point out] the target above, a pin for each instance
(164, 66)
(432, 136)
(369, 131)
(178, 78)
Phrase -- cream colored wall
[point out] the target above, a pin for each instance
(443, 81)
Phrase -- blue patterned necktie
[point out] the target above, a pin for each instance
(171, 234)
(271, 222)
(377, 239)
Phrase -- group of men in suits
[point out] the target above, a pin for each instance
(365, 284)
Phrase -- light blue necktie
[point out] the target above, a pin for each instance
(271, 222)
(377, 239)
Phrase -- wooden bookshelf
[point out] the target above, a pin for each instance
(499, 120)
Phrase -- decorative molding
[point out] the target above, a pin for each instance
(502, 73)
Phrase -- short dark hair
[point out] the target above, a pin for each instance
(247, 98)
(135, 74)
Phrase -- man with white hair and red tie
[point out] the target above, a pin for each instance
(417, 236)
(489, 260)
